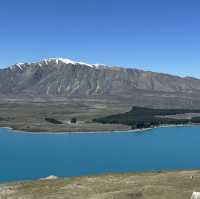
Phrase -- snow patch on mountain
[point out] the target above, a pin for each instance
(57, 61)
(66, 61)
(19, 65)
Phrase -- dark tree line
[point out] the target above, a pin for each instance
(141, 117)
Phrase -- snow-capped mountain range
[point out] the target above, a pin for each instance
(57, 61)
(58, 77)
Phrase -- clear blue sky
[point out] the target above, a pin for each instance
(158, 35)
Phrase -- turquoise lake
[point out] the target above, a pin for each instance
(26, 156)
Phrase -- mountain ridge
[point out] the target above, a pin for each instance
(58, 77)
(97, 66)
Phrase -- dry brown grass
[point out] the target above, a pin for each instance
(166, 185)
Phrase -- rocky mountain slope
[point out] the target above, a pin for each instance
(62, 78)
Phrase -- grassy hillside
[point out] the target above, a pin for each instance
(166, 185)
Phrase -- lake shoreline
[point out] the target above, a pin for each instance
(75, 132)
(100, 131)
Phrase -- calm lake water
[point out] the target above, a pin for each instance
(32, 156)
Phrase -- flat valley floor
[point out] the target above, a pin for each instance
(30, 116)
